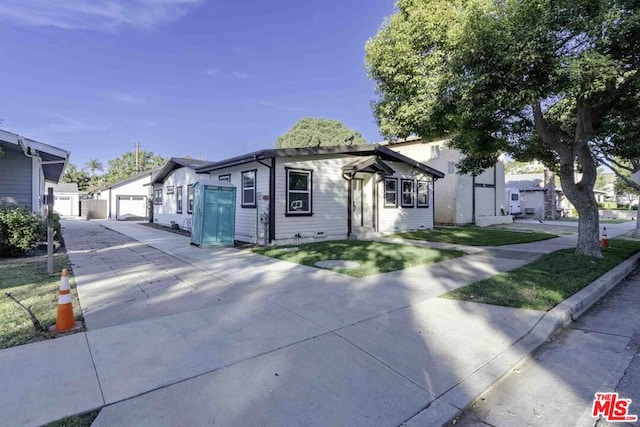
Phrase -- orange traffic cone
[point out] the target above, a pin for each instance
(604, 242)
(65, 320)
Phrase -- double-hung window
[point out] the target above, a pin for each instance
(391, 192)
(190, 199)
(422, 193)
(179, 200)
(408, 193)
(157, 197)
(249, 189)
(299, 192)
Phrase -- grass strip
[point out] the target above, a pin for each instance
(27, 280)
(548, 281)
(373, 257)
(475, 236)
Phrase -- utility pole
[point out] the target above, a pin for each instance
(137, 157)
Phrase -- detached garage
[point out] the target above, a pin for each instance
(127, 199)
(66, 198)
(131, 207)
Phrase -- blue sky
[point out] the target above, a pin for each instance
(210, 79)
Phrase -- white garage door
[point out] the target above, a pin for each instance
(63, 205)
(131, 207)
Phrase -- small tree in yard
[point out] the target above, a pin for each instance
(311, 132)
(539, 79)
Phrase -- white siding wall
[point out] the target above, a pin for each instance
(329, 195)
(248, 228)
(404, 218)
(167, 212)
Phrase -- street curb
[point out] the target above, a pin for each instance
(451, 404)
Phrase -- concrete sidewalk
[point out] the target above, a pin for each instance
(181, 335)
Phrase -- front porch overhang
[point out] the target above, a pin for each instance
(369, 164)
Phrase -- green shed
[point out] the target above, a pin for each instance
(214, 208)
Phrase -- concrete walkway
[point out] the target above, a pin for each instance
(181, 335)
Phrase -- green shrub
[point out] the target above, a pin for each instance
(19, 230)
(607, 205)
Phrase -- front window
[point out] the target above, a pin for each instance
(157, 197)
(423, 193)
(299, 184)
(407, 193)
(249, 189)
(391, 192)
(190, 199)
(179, 200)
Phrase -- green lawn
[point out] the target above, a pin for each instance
(76, 421)
(601, 221)
(374, 257)
(26, 279)
(475, 236)
(546, 282)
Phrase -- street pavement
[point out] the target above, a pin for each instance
(183, 335)
(556, 385)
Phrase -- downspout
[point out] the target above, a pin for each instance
(473, 199)
(495, 191)
(272, 201)
(35, 201)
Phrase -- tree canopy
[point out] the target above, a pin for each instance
(125, 165)
(312, 132)
(539, 79)
(80, 177)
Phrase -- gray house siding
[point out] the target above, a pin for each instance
(15, 177)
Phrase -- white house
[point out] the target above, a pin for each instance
(26, 166)
(173, 191)
(306, 194)
(540, 197)
(127, 198)
(459, 199)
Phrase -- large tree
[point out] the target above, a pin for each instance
(125, 166)
(311, 132)
(80, 177)
(545, 79)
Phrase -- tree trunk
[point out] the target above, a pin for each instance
(580, 194)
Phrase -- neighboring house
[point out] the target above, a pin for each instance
(66, 199)
(539, 196)
(459, 199)
(173, 191)
(127, 199)
(26, 167)
(285, 196)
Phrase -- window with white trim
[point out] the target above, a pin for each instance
(408, 192)
(299, 192)
(249, 189)
(179, 200)
(190, 199)
(422, 194)
(157, 197)
(390, 192)
(225, 178)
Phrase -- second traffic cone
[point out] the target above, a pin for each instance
(604, 242)
(65, 321)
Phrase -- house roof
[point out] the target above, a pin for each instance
(65, 187)
(177, 163)
(370, 164)
(151, 172)
(54, 159)
(364, 150)
(413, 140)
